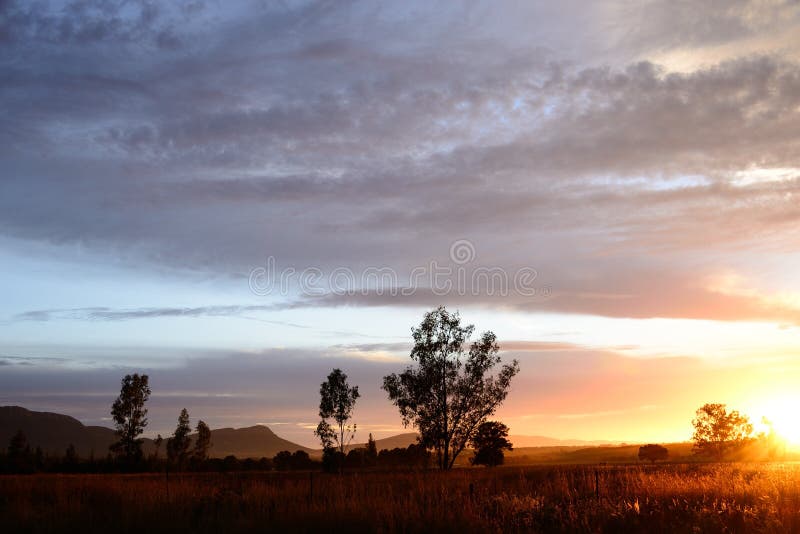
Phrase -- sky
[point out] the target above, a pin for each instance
(237, 197)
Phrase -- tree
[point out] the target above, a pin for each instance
(653, 453)
(130, 416)
(71, 455)
(371, 451)
(716, 430)
(337, 400)
(157, 442)
(178, 444)
(489, 441)
(18, 444)
(203, 442)
(448, 394)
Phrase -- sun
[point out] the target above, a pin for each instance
(782, 415)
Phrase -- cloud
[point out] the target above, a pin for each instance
(283, 131)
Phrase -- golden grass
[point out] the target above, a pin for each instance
(669, 498)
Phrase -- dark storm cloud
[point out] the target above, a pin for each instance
(330, 134)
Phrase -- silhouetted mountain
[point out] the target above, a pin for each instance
(251, 442)
(399, 441)
(55, 432)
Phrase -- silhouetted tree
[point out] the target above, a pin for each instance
(716, 430)
(282, 461)
(653, 453)
(372, 451)
(337, 400)
(20, 457)
(18, 444)
(178, 444)
(448, 395)
(203, 442)
(130, 417)
(298, 460)
(333, 460)
(157, 442)
(489, 442)
(71, 455)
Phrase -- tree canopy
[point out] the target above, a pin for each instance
(653, 453)
(130, 416)
(203, 442)
(449, 392)
(716, 430)
(489, 442)
(178, 444)
(337, 400)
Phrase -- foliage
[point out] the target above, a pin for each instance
(178, 444)
(372, 450)
(717, 431)
(299, 460)
(448, 395)
(489, 441)
(337, 400)
(202, 443)
(333, 460)
(130, 417)
(653, 453)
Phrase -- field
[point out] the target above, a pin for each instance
(668, 498)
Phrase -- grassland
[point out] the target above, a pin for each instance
(668, 498)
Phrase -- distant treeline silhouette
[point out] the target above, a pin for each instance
(20, 458)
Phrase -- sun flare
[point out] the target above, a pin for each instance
(781, 414)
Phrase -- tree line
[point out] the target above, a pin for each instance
(447, 395)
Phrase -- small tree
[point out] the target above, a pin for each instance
(178, 444)
(130, 417)
(489, 442)
(653, 453)
(70, 455)
(203, 442)
(337, 400)
(716, 430)
(18, 444)
(157, 443)
(371, 451)
(448, 394)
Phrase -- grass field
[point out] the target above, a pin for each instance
(668, 498)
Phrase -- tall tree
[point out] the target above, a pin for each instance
(448, 394)
(337, 400)
(178, 444)
(716, 430)
(130, 416)
(203, 442)
(489, 442)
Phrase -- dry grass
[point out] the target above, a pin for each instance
(671, 498)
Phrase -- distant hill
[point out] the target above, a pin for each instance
(520, 441)
(544, 441)
(55, 432)
(251, 442)
(611, 454)
(392, 442)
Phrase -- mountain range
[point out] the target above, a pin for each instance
(54, 432)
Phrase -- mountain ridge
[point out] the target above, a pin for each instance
(54, 432)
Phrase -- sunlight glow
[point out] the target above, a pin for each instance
(783, 414)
